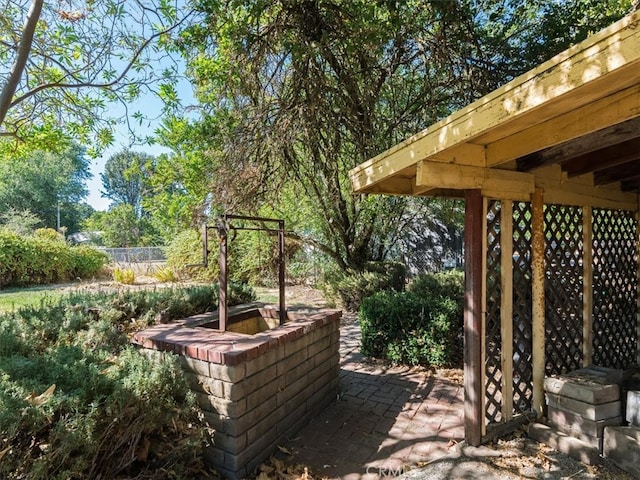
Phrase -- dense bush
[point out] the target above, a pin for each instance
(184, 257)
(76, 401)
(44, 258)
(353, 287)
(420, 327)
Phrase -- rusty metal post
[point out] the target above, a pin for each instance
(223, 312)
(205, 246)
(473, 389)
(538, 300)
(283, 311)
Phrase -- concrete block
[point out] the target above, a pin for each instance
(606, 375)
(576, 425)
(226, 373)
(582, 389)
(221, 406)
(230, 443)
(622, 447)
(291, 361)
(297, 372)
(255, 382)
(586, 410)
(296, 345)
(320, 344)
(293, 412)
(573, 447)
(266, 393)
(202, 384)
(249, 419)
(291, 390)
(193, 365)
(261, 362)
(633, 407)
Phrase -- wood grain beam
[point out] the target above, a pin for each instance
(604, 158)
(603, 113)
(438, 175)
(604, 138)
(627, 171)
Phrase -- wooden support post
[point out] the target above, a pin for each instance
(223, 312)
(483, 308)
(538, 299)
(283, 310)
(473, 388)
(506, 306)
(587, 286)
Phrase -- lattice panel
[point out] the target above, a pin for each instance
(522, 370)
(493, 370)
(563, 288)
(615, 288)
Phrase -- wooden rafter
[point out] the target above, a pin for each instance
(607, 137)
(626, 171)
(602, 160)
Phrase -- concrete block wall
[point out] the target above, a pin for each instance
(256, 390)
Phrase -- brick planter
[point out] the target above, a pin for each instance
(254, 389)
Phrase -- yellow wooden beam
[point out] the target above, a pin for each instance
(442, 175)
(593, 69)
(558, 189)
(611, 110)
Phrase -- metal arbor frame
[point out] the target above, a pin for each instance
(223, 227)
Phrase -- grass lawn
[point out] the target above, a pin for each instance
(14, 298)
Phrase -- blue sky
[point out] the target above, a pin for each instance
(151, 106)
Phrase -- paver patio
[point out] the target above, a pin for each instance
(384, 420)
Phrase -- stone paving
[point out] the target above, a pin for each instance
(384, 420)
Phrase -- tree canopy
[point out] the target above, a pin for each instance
(300, 91)
(63, 63)
(43, 183)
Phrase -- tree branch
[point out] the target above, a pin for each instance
(24, 48)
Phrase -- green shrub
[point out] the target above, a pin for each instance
(44, 258)
(420, 327)
(87, 261)
(126, 276)
(353, 287)
(77, 401)
(165, 274)
(441, 285)
(184, 257)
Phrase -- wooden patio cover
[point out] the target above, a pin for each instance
(567, 132)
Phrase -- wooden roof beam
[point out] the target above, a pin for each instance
(625, 171)
(604, 138)
(492, 182)
(559, 189)
(604, 113)
(603, 159)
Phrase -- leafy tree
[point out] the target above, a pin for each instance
(22, 222)
(61, 63)
(125, 178)
(301, 91)
(45, 183)
(120, 226)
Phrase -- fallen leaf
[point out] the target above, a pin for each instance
(267, 469)
(284, 450)
(34, 399)
(451, 443)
